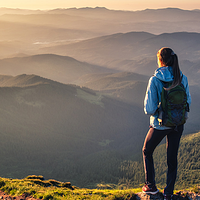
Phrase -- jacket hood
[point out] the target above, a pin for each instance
(164, 74)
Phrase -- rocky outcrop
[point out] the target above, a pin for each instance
(177, 196)
(193, 196)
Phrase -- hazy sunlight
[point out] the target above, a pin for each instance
(111, 4)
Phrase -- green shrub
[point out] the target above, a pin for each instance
(42, 183)
(35, 177)
(196, 189)
(2, 183)
(48, 197)
(67, 185)
(55, 183)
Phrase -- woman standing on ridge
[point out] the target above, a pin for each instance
(168, 72)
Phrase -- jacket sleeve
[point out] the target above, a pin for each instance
(151, 100)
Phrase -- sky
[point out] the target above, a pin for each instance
(110, 4)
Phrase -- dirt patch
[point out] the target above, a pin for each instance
(25, 196)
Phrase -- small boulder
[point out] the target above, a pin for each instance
(143, 196)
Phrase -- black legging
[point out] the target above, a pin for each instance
(153, 138)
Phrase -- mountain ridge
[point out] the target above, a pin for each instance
(128, 50)
(63, 69)
(24, 80)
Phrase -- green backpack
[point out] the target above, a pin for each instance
(174, 106)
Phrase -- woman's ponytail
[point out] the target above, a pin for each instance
(176, 72)
(167, 57)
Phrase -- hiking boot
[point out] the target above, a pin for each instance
(150, 190)
(168, 197)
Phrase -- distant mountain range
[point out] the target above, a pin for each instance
(136, 51)
(107, 21)
(35, 28)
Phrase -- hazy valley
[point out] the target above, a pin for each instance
(72, 84)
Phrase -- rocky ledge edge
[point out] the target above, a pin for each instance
(159, 196)
(139, 196)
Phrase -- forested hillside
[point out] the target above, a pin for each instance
(61, 131)
(132, 172)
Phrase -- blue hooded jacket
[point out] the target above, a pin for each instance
(153, 93)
